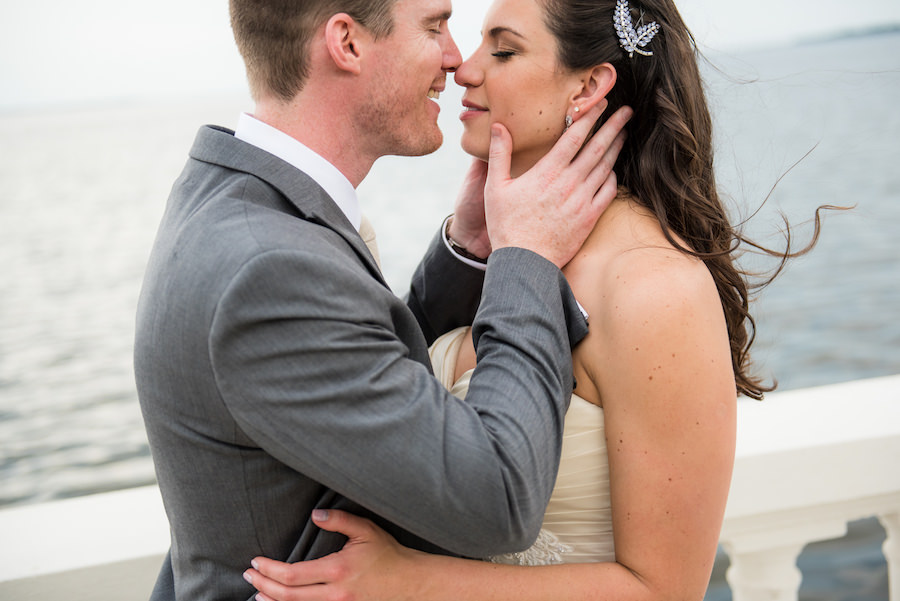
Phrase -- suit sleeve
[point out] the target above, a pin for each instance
(445, 292)
(307, 362)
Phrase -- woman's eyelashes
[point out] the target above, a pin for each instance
(502, 54)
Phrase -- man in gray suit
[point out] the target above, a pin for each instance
(276, 371)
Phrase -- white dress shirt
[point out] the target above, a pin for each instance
(276, 142)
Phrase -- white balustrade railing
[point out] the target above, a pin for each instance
(808, 462)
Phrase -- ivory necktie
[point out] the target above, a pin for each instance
(368, 236)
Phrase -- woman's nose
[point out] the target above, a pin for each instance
(468, 73)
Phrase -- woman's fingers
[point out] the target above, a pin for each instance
(277, 581)
(352, 526)
(309, 580)
(288, 574)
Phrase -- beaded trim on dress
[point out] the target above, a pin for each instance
(546, 550)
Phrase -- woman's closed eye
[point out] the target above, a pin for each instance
(503, 54)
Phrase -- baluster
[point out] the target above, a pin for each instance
(764, 575)
(891, 548)
(764, 555)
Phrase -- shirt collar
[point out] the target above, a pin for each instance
(276, 142)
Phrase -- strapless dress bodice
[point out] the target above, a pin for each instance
(577, 525)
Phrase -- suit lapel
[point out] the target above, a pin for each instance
(219, 146)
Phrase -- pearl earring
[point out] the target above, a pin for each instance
(569, 119)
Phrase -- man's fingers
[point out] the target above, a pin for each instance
(500, 157)
(603, 167)
(606, 194)
(598, 147)
(568, 145)
(477, 171)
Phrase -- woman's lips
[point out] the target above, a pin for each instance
(471, 110)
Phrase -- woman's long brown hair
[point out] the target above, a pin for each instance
(667, 161)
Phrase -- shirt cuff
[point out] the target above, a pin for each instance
(583, 311)
(470, 262)
(479, 265)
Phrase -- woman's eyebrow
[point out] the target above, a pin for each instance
(496, 31)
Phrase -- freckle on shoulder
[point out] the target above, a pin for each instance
(650, 281)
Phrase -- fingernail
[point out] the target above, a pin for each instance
(248, 577)
(255, 564)
(320, 515)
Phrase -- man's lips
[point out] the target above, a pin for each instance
(437, 86)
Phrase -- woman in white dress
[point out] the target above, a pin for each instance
(650, 433)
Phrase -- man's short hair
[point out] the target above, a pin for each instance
(273, 37)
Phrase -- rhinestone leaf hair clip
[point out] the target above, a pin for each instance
(630, 39)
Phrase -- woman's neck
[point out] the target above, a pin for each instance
(520, 162)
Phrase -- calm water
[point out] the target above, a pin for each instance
(82, 192)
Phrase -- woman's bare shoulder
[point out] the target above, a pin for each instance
(630, 266)
(642, 292)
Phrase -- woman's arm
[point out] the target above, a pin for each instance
(660, 358)
(663, 371)
(374, 567)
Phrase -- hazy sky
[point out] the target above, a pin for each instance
(58, 52)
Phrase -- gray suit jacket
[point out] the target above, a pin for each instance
(278, 373)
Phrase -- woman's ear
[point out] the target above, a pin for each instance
(343, 43)
(595, 85)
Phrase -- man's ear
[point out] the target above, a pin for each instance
(342, 39)
(595, 85)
